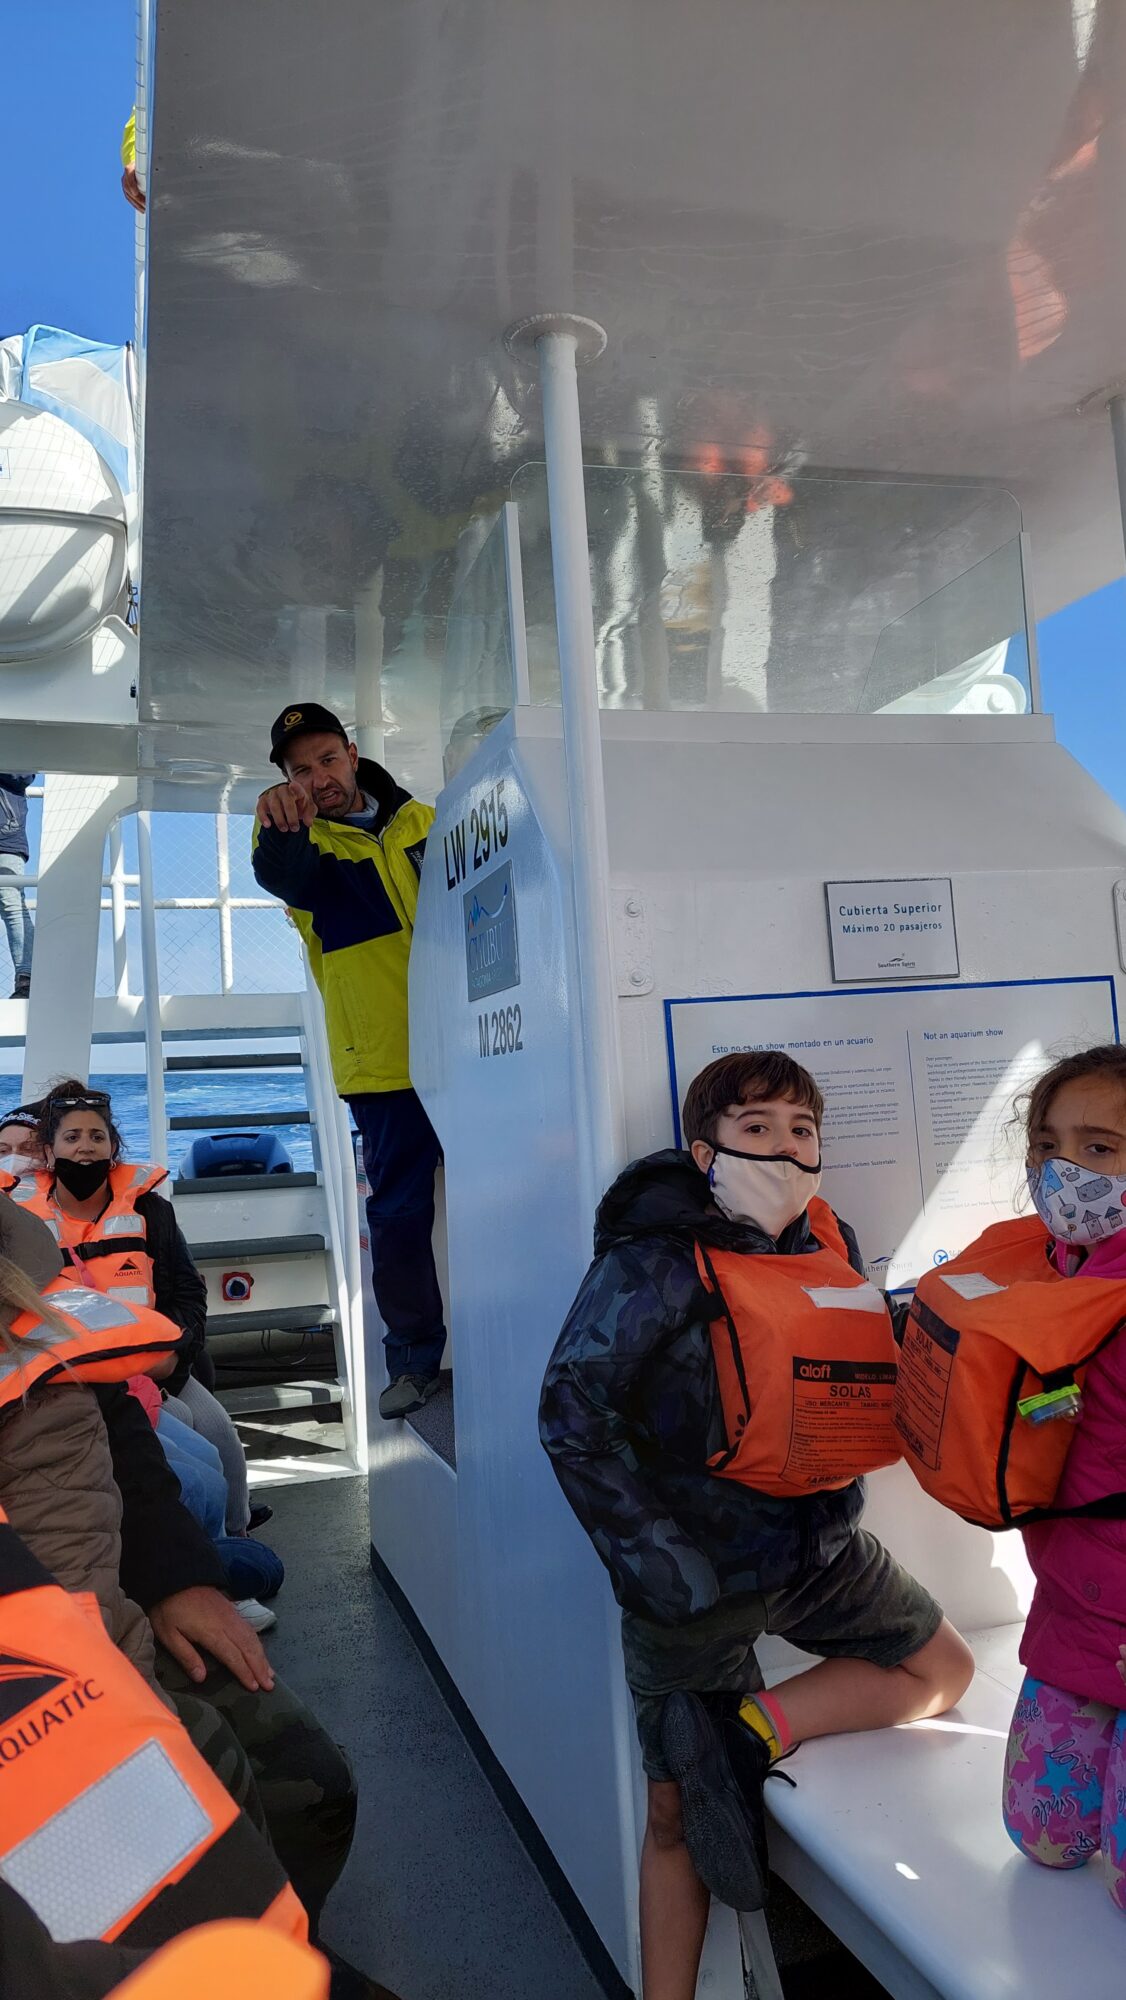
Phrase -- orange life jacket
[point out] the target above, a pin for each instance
(995, 1326)
(229, 1961)
(115, 1247)
(102, 1340)
(805, 1355)
(111, 1826)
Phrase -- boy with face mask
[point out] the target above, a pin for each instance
(722, 1381)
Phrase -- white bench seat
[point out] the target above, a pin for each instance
(896, 1840)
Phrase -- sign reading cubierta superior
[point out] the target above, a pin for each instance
(892, 930)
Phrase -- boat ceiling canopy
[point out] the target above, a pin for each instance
(861, 237)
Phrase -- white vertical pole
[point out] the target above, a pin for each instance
(150, 988)
(223, 879)
(1117, 408)
(514, 587)
(117, 910)
(1031, 637)
(368, 615)
(556, 342)
(77, 814)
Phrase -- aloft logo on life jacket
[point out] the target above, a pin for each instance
(25, 1681)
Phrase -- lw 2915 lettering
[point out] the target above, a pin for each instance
(488, 830)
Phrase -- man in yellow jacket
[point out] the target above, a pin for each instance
(342, 845)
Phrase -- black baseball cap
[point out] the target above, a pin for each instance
(301, 718)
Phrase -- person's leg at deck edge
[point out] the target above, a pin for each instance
(401, 1156)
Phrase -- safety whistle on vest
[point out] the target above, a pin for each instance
(1064, 1404)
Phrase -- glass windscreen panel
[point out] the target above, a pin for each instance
(787, 595)
(482, 664)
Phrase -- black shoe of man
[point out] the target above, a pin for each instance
(406, 1394)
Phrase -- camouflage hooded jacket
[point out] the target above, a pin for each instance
(630, 1411)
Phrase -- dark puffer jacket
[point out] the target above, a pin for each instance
(631, 1413)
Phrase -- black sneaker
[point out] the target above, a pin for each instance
(406, 1394)
(22, 989)
(721, 1779)
(258, 1518)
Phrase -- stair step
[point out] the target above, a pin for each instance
(284, 1060)
(244, 1183)
(257, 1247)
(280, 1396)
(234, 1121)
(271, 1319)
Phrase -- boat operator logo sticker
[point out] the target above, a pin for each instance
(492, 952)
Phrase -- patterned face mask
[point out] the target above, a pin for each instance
(1076, 1205)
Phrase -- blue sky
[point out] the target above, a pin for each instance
(68, 261)
(68, 230)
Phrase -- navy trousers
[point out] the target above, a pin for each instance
(401, 1155)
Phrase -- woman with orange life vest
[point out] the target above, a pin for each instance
(1011, 1404)
(109, 1217)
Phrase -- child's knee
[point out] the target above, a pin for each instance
(665, 1824)
(1072, 1849)
(944, 1668)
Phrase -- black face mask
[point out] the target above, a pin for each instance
(82, 1178)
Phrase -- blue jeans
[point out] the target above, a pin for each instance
(199, 1469)
(14, 915)
(253, 1570)
(401, 1155)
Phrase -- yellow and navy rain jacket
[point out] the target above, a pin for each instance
(353, 896)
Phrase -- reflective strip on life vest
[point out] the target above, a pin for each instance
(130, 1295)
(863, 1298)
(108, 1850)
(970, 1284)
(98, 1312)
(126, 1223)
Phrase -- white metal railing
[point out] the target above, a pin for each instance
(116, 899)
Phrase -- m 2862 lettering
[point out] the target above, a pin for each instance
(500, 1033)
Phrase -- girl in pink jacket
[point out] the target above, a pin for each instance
(1065, 1768)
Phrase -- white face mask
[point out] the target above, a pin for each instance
(1076, 1205)
(18, 1164)
(771, 1189)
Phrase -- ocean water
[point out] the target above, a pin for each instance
(212, 1091)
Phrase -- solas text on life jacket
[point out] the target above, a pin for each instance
(806, 1360)
(995, 1328)
(111, 1824)
(114, 1247)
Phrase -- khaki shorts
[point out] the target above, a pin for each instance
(862, 1607)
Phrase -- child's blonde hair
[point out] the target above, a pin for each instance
(18, 1295)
